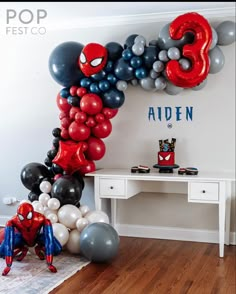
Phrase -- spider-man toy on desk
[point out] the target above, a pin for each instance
(24, 230)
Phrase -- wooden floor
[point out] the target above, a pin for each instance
(151, 266)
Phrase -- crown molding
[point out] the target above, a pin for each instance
(95, 22)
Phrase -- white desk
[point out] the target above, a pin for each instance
(202, 188)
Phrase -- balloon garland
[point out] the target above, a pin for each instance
(94, 78)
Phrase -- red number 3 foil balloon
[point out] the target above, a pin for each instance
(196, 52)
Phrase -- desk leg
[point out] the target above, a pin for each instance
(113, 212)
(97, 199)
(228, 212)
(222, 217)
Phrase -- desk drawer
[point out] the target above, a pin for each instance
(203, 191)
(112, 187)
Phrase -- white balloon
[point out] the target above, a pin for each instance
(73, 244)
(43, 198)
(68, 215)
(53, 203)
(81, 223)
(84, 209)
(52, 217)
(47, 211)
(61, 233)
(38, 207)
(45, 187)
(97, 216)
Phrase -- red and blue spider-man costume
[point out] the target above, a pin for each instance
(26, 229)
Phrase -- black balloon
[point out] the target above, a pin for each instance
(67, 189)
(56, 132)
(113, 98)
(114, 50)
(80, 178)
(129, 42)
(150, 55)
(32, 174)
(63, 64)
(123, 70)
(52, 153)
(57, 169)
(33, 196)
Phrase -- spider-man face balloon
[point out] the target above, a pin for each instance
(92, 59)
(25, 213)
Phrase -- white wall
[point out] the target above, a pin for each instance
(28, 113)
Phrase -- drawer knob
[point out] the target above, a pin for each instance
(111, 187)
(203, 191)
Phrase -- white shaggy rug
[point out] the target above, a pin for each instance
(31, 276)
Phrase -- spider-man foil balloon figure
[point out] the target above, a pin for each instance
(26, 229)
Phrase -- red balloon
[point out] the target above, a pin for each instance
(73, 111)
(73, 90)
(90, 122)
(65, 122)
(96, 149)
(64, 133)
(62, 104)
(79, 132)
(91, 103)
(109, 112)
(63, 114)
(197, 52)
(99, 117)
(81, 92)
(103, 129)
(90, 167)
(80, 117)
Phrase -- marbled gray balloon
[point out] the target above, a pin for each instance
(217, 60)
(138, 49)
(148, 84)
(153, 43)
(214, 38)
(185, 63)
(200, 86)
(166, 42)
(171, 89)
(99, 242)
(163, 56)
(173, 53)
(226, 33)
(134, 82)
(160, 83)
(153, 74)
(121, 85)
(140, 39)
(158, 66)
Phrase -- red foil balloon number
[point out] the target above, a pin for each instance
(197, 52)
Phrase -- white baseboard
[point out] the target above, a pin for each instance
(171, 233)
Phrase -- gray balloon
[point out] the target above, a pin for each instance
(134, 82)
(173, 53)
(121, 85)
(99, 242)
(217, 60)
(153, 43)
(200, 86)
(214, 38)
(140, 39)
(138, 49)
(148, 84)
(153, 74)
(163, 56)
(185, 63)
(160, 83)
(166, 42)
(226, 33)
(158, 66)
(171, 89)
